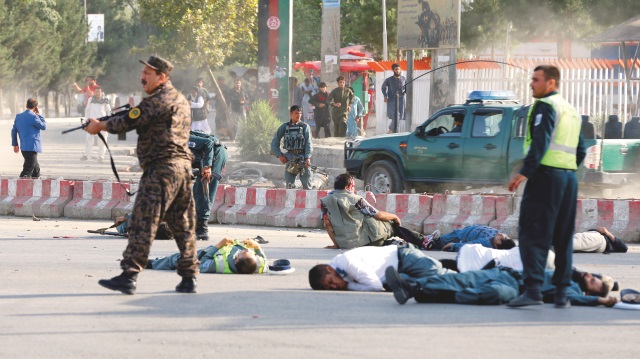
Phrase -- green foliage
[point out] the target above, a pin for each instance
(307, 21)
(257, 131)
(201, 32)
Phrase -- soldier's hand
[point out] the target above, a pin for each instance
(321, 105)
(447, 248)
(282, 159)
(385, 100)
(16, 149)
(224, 242)
(93, 126)
(120, 220)
(307, 162)
(206, 174)
(608, 301)
(337, 104)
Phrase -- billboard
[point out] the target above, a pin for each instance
(96, 27)
(428, 24)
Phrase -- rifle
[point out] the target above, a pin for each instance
(295, 165)
(125, 109)
(84, 124)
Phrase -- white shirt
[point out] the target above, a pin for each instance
(475, 256)
(97, 109)
(363, 268)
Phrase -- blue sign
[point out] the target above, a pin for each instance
(330, 3)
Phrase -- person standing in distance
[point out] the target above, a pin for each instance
(296, 138)
(340, 99)
(98, 106)
(392, 86)
(554, 150)
(27, 126)
(162, 121)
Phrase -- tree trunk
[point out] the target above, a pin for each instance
(56, 99)
(219, 95)
(46, 105)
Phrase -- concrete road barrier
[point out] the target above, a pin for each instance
(297, 208)
(34, 196)
(620, 216)
(449, 212)
(412, 209)
(507, 215)
(97, 200)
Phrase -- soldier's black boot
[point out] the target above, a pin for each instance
(187, 285)
(125, 283)
(202, 230)
(560, 299)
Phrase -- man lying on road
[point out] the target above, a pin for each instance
(228, 256)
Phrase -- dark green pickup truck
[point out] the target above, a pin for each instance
(486, 151)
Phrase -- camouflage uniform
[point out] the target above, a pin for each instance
(162, 122)
(339, 114)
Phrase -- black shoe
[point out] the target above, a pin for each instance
(125, 283)
(397, 285)
(524, 300)
(188, 285)
(560, 298)
(202, 231)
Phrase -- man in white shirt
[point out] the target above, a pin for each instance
(362, 269)
(97, 106)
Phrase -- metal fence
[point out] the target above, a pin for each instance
(596, 87)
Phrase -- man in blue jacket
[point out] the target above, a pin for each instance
(210, 156)
(27, 125)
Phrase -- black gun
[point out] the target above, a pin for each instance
(84, 123)
(318, 170)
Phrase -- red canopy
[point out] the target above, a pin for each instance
(345, 66)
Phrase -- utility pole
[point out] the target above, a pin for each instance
(385, 56)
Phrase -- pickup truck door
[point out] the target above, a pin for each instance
(434, 153)
(486, 148)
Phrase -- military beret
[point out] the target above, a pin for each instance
(159, 64)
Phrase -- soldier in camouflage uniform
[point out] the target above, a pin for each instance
(162, 122)
(297, 142)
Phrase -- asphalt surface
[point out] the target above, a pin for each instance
(52, 307)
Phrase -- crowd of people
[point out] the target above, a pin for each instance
(182, 162)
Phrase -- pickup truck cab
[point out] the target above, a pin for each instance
(485, 150)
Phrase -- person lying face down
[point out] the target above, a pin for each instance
(497, 285)
(484, 235)
(362, 269)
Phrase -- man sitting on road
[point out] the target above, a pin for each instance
(362, 269)
(228, 256)
(487, 236)
(494, 286)
(352, 222)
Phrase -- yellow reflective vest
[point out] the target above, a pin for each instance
(565, 136)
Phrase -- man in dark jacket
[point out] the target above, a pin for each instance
(321, 111)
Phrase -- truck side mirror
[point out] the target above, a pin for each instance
(419, 131)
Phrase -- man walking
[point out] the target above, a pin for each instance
(27, 126)
(393, 92)
(554, 149)
(340, 100)
(162, 122)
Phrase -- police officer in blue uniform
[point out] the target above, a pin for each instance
(210, 158)
(296, 138)
(554, 150)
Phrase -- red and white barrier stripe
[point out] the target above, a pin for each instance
(450, 212)
(621, 217)
(39, 197)
(412, 209)
(97, 200)
(507, 215)
(246, 205)
(297, 208)
(218, 202)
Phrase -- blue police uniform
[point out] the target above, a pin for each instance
(555, 149)
(208, 151)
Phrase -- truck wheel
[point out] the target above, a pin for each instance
(383, 177)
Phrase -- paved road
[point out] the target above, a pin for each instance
(52, 307)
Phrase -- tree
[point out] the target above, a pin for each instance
(361, 23)
(201, 32)
(307, 15)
